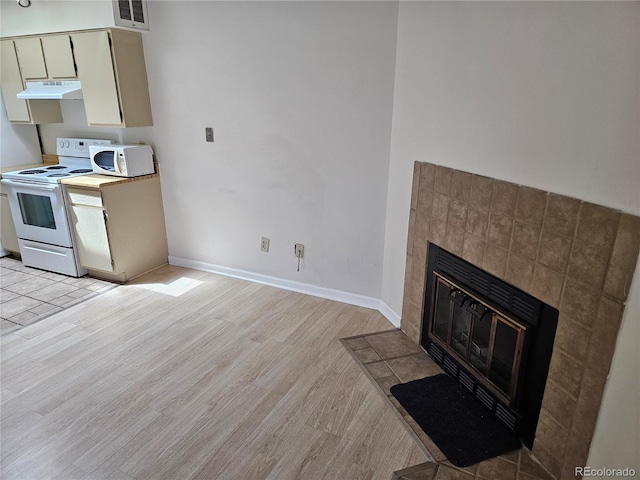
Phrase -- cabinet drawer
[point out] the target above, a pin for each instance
(90, 198)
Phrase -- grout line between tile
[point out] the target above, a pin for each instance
(54, 307)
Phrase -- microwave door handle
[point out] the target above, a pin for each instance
(31, 185)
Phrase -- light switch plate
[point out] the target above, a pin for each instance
(208, 131)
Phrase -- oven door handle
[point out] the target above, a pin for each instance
(32, 185)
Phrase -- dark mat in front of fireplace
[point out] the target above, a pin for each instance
(463, 429)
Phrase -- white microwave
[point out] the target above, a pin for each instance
(122, 160)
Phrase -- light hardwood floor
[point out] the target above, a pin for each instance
(184, 374)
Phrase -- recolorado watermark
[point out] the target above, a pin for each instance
(605, 472)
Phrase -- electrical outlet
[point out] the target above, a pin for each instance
(208, 132)
(299, 250)
(264, 244)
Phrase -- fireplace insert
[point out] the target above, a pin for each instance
(493, 337)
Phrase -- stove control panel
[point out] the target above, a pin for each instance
(78, 147)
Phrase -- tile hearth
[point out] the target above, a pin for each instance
(390, 358)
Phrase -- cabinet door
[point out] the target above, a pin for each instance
(91, 237)
(11, 81)
(8, 234)
(95, 71)
(58, 56)
(133, 90)
(31, 59)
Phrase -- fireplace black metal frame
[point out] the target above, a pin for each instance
(541, 321)
(520, 347)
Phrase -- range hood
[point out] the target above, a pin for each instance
(52, 90)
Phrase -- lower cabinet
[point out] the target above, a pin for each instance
(90, 222)
(119, 228)
(8, 235)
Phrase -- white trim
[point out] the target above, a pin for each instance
(389, 314)
(322, 292)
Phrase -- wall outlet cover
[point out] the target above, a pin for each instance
(264, 244)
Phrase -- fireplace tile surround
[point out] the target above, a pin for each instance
(576, 256)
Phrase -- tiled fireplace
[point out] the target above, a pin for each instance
(495, 339)
(572, 255)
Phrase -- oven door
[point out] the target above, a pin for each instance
(39, 212)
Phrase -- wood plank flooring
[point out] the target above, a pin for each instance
(189, 375)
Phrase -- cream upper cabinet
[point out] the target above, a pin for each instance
(112, 71)
(11, 81)
(46, 58)
(108, 62)
(22, 111)
(31, 58)
(58, 56)
(95, 68)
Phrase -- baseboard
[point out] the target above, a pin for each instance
(322, 292)
(389, 314)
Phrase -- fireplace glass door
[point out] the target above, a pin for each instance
(489, 343)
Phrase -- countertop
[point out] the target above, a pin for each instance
(95, 180)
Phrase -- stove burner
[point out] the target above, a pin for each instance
(58, 175)
(32, 172)
(56, 167)
(82, 170)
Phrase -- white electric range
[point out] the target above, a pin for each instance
(40, 211)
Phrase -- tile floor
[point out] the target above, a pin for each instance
(390, 358)
(28, 294)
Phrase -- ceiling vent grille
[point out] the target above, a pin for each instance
(131, 13)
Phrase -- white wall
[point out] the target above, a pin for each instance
(46, 16)
(545, 94)
(617, 436)
(18, 143)
(300, 94)
(300, 98)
